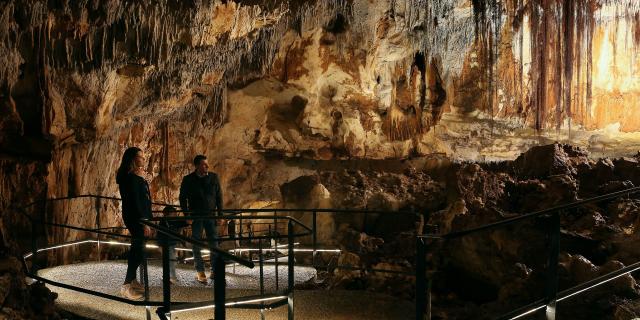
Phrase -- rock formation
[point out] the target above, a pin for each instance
(356, 100)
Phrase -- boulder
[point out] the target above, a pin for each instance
(613, 186)
(393, 277)
(623, 212)
(627, 168)
(553, 159)
(358, 242)
(305, 192)
(578, 269)
(346, 277)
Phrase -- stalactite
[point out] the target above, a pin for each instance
(562, 30)
(165, 166)
(568, 29)
(112, 37)
(488, 23)
(588, 41)
(558, 84)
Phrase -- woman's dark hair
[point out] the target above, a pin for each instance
(126, 165)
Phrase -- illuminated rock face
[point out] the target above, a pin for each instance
(269, 91)
(288, 89)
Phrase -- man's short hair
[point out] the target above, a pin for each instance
(198, 158)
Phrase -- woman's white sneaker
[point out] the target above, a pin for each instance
(137, 285)
(129, 292)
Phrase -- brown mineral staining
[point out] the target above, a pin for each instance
(352, 92)
(294, 59)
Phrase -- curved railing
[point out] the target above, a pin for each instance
(552, 296)
(166, 307)
(276, 227)
(220, 302)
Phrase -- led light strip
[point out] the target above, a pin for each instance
(318, 250)
(28, 255)
(191, 258)
(228, 304)
(528, 312)
(153, 246)
(294, 250)
(599, 283)
(117, 243)
(577, 292)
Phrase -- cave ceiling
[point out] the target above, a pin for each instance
(246, 82)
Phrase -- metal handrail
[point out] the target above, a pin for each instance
(231, 214)
(552, 294)
(200, 243)
(219, 267)
(83, 196)
(221, 302)
(489, 226)
(575, 290)
(234, 210)
(320, 210)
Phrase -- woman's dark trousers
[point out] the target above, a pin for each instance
(136, 252)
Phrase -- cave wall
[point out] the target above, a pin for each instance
(274, 91)
(340, 103)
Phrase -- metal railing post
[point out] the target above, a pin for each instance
(240, 234)
(166, 283)
(314, 238)
(275, 252)
(552, 266)
(261, 276)
(291, 265)
(219, 286)
(98, 205)
(235, 247)
(421, 280)
(144, 270)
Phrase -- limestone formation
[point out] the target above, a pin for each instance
(398, 105)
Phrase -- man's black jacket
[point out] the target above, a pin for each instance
(201, 195)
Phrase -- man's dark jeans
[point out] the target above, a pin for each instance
(209, 226)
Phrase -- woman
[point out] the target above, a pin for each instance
(136, 204)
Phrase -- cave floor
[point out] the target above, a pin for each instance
(107, 276)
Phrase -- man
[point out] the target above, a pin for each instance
(200, 194)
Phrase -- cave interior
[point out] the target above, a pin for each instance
(462, 113)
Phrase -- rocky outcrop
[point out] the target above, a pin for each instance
(498, 268)
(316, 80)
(273, 92)
(20, 300)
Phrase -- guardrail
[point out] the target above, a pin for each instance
(552, 296)
(219, 303)
(274, 229)
(165, 307)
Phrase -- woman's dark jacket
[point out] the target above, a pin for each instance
(136, 199)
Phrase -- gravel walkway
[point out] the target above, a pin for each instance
(309, 304)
